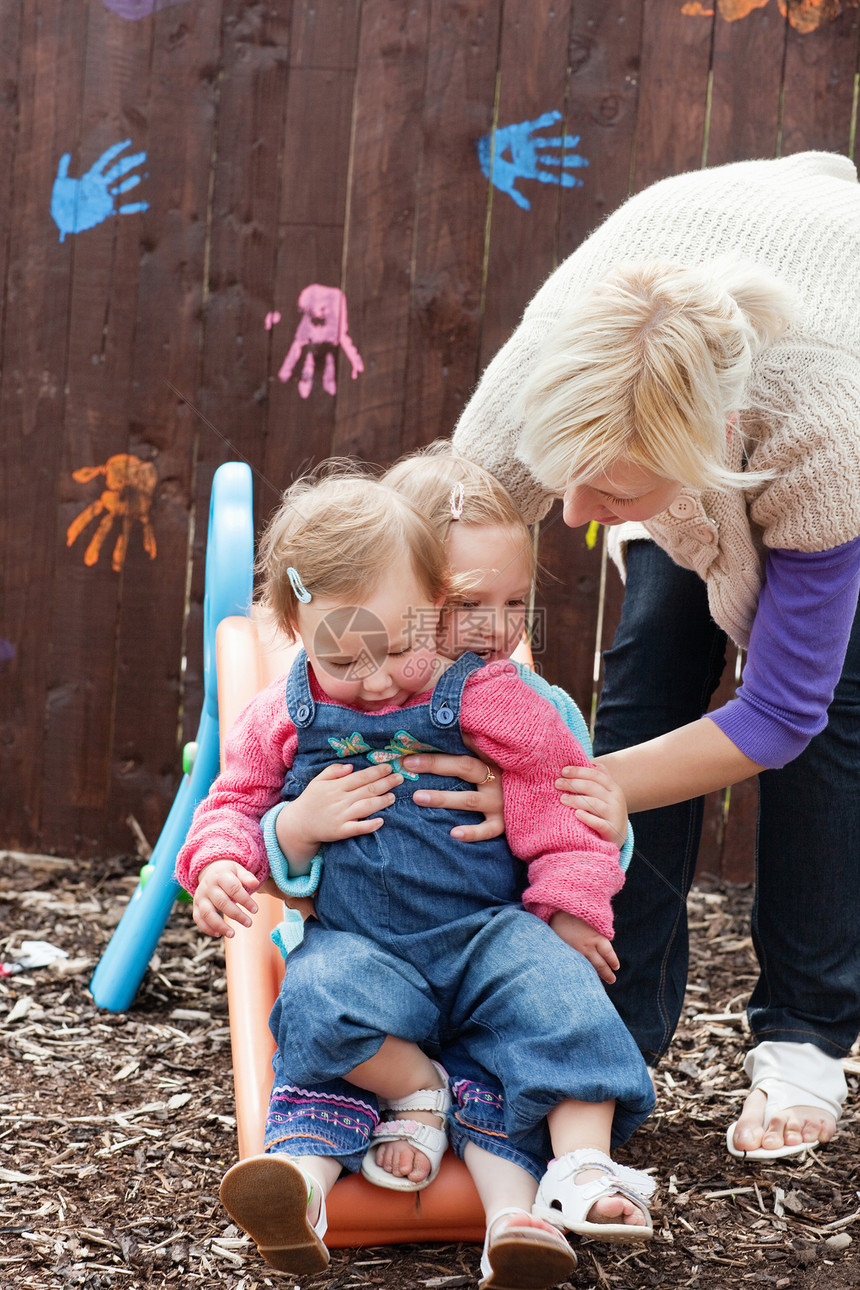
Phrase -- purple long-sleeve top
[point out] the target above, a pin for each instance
(796, 653)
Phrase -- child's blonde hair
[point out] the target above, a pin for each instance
(432, 478)
(342, 530)
(647, 366)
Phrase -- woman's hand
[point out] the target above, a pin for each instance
(487, 797)
(597, 800)
(580, 936)
(224, 890)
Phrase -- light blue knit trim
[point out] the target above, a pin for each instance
(625, 855)
(290, 933)
(279, 866)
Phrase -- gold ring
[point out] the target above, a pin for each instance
(488, 778)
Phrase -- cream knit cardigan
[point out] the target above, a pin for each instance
(799, 216)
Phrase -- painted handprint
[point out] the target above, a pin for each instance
(517, 152)
(804, 16)
(78, 204)
(134, 10)
(128, 497)
(322, 328)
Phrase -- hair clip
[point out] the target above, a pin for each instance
(457, 497)
(298, 586)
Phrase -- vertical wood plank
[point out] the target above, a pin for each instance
(444, 320)
(16, 670)
(86, 599)
(715, 821)
(167, 355)
(818, 90)
(737, 861)
(673, 95)
(310, 251)
(747, 78)
(32, 400)
(385, 169)
(602, 108)
(533, 61)
(241, 258)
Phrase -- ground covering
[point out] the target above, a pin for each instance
(115, 1130)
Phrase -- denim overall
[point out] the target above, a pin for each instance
(423, 937)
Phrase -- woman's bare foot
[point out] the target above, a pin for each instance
(790, 1127)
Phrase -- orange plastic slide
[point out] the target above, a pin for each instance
(359, 1213)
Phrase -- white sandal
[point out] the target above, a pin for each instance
(787, 1074)
(269, 1196)
(524, 1258)
(565, 1203)
(424, 1137)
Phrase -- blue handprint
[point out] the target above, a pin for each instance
(82, 203)
(520, 155)
(137, 9)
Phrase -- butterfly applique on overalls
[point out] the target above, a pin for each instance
(400, 745)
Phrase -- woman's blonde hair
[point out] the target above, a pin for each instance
(341, 529)
(648, 366)
(432, 479)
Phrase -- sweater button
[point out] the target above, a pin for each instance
(444, 715)
(682, 508)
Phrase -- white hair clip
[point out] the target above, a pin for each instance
(298, 586)
(457, 497)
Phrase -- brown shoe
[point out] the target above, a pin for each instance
(268, 1196)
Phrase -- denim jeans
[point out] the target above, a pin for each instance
(661, 671)
(513, 1011)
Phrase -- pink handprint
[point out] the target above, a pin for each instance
(322, 328)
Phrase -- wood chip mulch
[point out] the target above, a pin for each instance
(115, 1130)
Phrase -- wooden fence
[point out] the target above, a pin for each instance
(175, 174)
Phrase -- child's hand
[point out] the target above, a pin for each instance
(597, 800)
(579, 935)
(224, 891)
(336, 804)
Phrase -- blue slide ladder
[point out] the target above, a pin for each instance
(228, 590)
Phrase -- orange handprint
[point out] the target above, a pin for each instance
(128, 497)
(804, 15)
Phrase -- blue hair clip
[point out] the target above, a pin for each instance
(298, 586)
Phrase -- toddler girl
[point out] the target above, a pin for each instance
(414, 940)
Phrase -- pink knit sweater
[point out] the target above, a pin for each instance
(571, 868)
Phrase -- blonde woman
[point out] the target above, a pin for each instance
(695, 366)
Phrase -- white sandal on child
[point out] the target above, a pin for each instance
(565, 1203)
(524, 1258)
(787, 1074)
(424, 1137)
(269, 1196)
